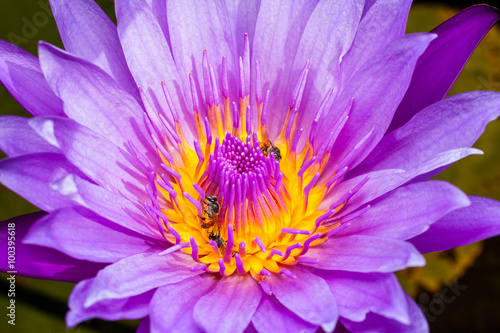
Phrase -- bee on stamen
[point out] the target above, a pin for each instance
(210, 210)
(212, 205)
(269, 148)
(215, 236)
(210, 220)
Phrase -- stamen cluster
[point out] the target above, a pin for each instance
(247, 204)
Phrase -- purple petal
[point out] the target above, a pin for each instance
(230, 306)
(408, 211)
(308, 296)
(453, 123)
(250, 329)
(159, 10)
(31, 175)
(272, 316)
(144, 326)
(18, 138)
(360, 253)
(137, 274)
(440, 162)
(93, 99)
(40, 262)
(87, 32)
(113, 207)
(327, 37)
(383, 181)
(378, 86)
(150, 59)
(442, 62)
(197, 26)
(134, 307)
(462, 226)
(379, 183)
(22, 76)
(181, 298)
(86, 236)
(380, 324)
(277, 35)
(105, 163)
(357, 294)
(382, 23)
(243, 17)
(340, 328)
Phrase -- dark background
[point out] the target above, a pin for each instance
(41, 305)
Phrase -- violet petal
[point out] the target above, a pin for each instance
(86, 236)
(41, 262)
(462, 226)
(439, 66)
(22, 76)
(18, 138)
(230, 306)
(295, 294)
(360, 253)
(134, 307)
(137, 274)
(181, 298)
(357, 294)
(272, 316)
(380, 324)
(87, 32)
(408, 211)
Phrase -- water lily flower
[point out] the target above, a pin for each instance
(217, 167)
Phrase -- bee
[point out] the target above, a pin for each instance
(215, 236)
(210, 220)
(211, 210)
(211, 204)
(269, 148)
